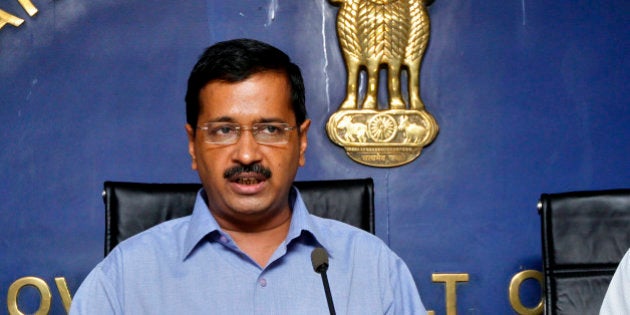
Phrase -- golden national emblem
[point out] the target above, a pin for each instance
(376, 34)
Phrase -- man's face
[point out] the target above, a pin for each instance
(247, 197)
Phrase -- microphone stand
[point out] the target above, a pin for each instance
(319, 258)
(331, 306)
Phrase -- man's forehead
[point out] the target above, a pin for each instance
(253, 101)
(250, 76)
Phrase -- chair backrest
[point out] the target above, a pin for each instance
(584, 234)
(131, 208)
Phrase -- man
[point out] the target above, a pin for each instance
(246, 248)
(617, 299)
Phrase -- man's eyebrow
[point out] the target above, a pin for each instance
(271, 120)
(260, 120)
(222, 119)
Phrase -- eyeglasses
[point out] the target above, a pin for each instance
(264, 133)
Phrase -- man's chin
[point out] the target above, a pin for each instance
(251, 205)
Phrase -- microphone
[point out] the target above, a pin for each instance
(319, 258)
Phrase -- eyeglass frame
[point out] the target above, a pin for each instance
(255, 129)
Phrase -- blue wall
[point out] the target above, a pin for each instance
(531, 97)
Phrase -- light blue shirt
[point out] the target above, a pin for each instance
(190, 266)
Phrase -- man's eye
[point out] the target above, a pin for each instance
(270, 129)
(223, 130)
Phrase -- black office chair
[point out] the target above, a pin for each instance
(131, 208)
(584, 234)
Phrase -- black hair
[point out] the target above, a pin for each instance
(236, 60)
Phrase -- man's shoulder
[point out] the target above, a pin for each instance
(159, 239)
(343, 232)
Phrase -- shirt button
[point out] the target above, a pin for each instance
(223, 239)
(262, 282)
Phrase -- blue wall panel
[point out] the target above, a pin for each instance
(530, 96)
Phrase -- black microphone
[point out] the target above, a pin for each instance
(319, 258)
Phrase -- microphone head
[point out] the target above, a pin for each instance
(319, 258)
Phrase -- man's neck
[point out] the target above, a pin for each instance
(260, 243)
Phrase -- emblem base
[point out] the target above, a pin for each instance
(386, 138)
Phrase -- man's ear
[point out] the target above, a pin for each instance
(191, 145)
(304, 141)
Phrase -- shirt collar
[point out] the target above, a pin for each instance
(202, 223)
(302, 221)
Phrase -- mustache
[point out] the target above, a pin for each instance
(252, 168)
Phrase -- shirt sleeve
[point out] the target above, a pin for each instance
(617, 299)
(96, 295)
(406, 299)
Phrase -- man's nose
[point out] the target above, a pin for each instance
(247, 150)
